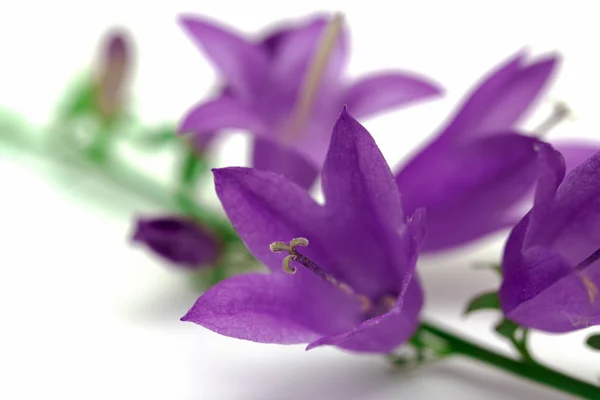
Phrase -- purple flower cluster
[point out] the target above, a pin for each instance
(343, 273)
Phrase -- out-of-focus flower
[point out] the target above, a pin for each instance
(475, 175)
(179, 240)
(353, 285)
(287, 90)
(550, 265)
(111, 80)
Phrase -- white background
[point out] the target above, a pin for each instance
(85, 316)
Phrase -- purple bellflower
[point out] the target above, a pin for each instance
(550, 264)
(353, 284)
(474, 176)
(179, 240)
(287, 90)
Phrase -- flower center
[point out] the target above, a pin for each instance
(590, 286)
(308, 90)
(370, 308)
(560, 112)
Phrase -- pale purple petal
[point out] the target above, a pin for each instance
(272, 308)
(268, 155)
(243, 65)
(575, 152)
(469, 189)
(383, 91)
(219, 114)
(296, 52)
(502, 99)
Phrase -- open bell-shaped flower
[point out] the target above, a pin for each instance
(348, 267)
(287, 88)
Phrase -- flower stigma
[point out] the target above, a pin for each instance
(308, 90)
(560, 112)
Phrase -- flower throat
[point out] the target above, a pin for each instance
(368, 306)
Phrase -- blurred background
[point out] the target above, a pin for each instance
(85, 315)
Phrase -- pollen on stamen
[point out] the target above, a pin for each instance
(290, 248)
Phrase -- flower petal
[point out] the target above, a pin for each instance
(576, 152)
(243, 65)
(297, 50)
(271, 308)
(470, 189)
(179, 240)
(573, 231)
(543, 292)
(265, 207)
(502, 98)
(365, 209)
(384, 333)
(221, 113)
(384, 91)
(271, 156)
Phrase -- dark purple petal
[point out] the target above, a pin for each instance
(502, 98)
(383, 333)
(544, 287)
(265, 207)
(272, 308)
(551, 171)
(570, 225)
(543, 292)
(365, 211)
(219, 114)
(383, 91)
(243, 65)
(576, 152)
(469, 189)
(179, 240)
(270, 156)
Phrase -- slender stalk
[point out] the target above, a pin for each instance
(532, 371)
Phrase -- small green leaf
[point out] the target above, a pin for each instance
(594, 342)
(486, 301)
(507, 328)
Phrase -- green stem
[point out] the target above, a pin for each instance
(534, 372)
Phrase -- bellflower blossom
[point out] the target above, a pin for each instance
(353, 259)
(287, 90)
(477, 172)
(179, 240)
(550, 265)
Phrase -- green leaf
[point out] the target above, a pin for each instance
(486, 301)
(507, 328)
(594, 342)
